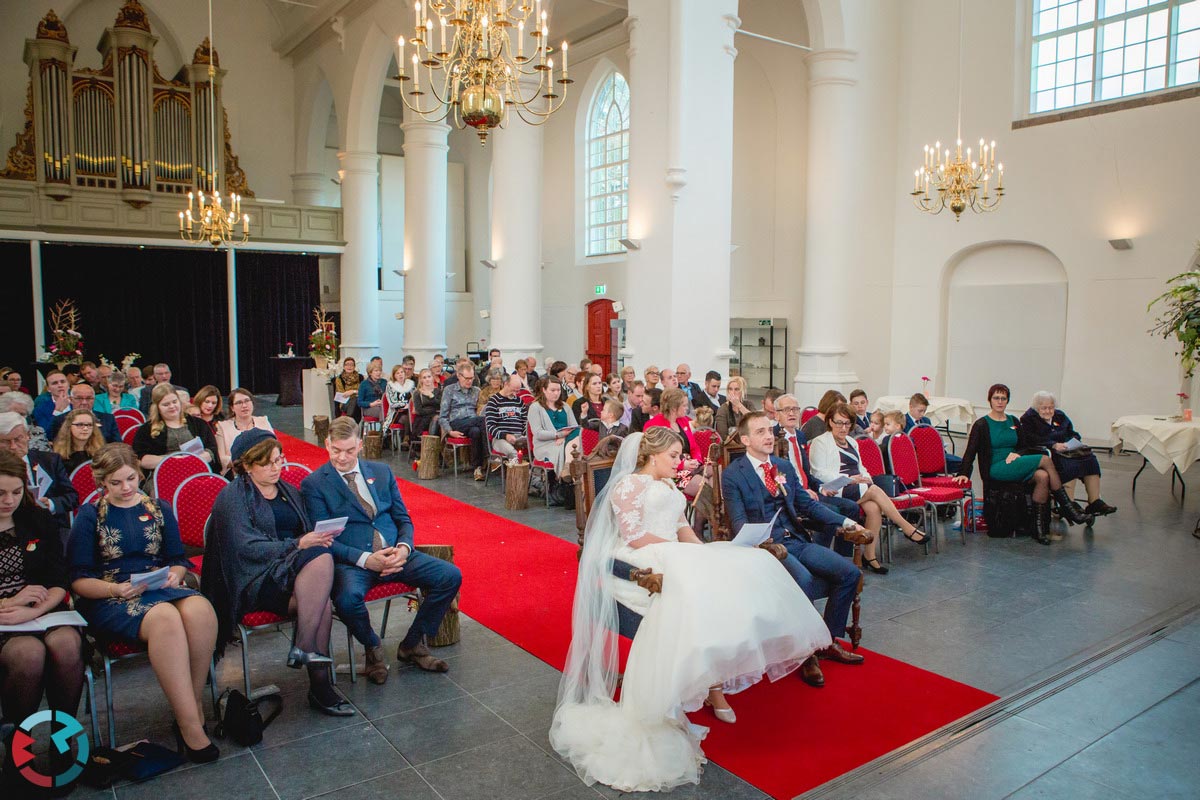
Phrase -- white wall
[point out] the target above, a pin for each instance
(1071, 186)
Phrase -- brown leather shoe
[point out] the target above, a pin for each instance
(858, 537)
(835, 652)
(775, 549)
(419, 654)
(810, 672)
(377, 668)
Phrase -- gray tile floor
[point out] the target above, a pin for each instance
(1002, 615)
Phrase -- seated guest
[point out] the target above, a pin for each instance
(569, 376)
(1046, 426)
(587, 407)
(873, 430)
(835, 454)
(54, 401)
(84, 396)
(261, 555)
(78, 439)
(127, 533)
(493, 385)
(651, 376)
(610, 420)
(242, 419)
(614, 388)
(208, 407)
(426, 400)
(769, 398)
(673, 415)
(111, 394)
(816, 424)
(577, 391)
(648, 408)
(103, 372)
(168, 429)
(347, 383)
(548, 415)
(759, 485)
(667, 379)
(521, 370)
(61, 498)
(134, 383)
(683, 373)
(14, 381)
(893, 423)
(21, 404)
(555, 369)
(504, 418)
(711, 395)
(89, 374)
(628, 376)
(858, 403)
(734, 408)
(162, 374)
(458, 415)
(377, 546)
(997, 439)
(495, 362)
(33, 582)
(633, 401)
(531, 375)
(399, 391)
(370, 391)
(585, 364)
(917, 405)
(702, 419)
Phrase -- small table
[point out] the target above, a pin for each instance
(290, 367)
(1162, 442)
(942, 410)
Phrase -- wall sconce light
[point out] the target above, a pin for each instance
(488, 263)
(631, 244)
(399, 315)
(618, 306)
(1121, 244)
(484, 313)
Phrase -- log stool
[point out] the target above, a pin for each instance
(516, 486)
(431, 457)
(448, 633)
(321, 427)
(373, 445)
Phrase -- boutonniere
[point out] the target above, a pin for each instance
(370, 481)
(144, 518)
(33, 543)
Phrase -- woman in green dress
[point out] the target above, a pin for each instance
(997, 440)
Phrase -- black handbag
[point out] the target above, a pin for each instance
(241, 719)
(892, 485)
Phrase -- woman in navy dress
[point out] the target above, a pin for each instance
(126, 533)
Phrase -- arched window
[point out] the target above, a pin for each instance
(608, 168)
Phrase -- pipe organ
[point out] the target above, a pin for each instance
(123, 127)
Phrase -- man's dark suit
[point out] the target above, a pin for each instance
(61, 493)
(825, 534)
(326, 496)
(694, 393)
(819, 571)
(703, 400)
(108, 426)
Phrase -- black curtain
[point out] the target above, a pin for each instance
(18, 348)
(276, 295)
(166, 304)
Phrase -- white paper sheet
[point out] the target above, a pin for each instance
(155, 579)
(335, 525)
(340, 397)
(45, 622)
(195, 446)
(837, 484)
(1074, 444)
(44, 482)
(753, 534)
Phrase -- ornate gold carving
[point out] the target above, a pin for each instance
(132, 15)
(235, 176)
(203, 52)
(106, 69)
(22, 165)
(51, 27)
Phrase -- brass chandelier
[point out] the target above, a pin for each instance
(481, 70)
(213, 223)
(958, 182)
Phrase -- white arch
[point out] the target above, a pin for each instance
(314, 103)
(598, 74)
(361, 120)
(826, 24)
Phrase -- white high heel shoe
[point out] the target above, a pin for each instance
(723, 714)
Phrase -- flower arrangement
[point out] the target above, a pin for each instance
(925, 385)
(1185, 413)
(323, 341)
(66, 345)
(128, 360)
(1181, 317)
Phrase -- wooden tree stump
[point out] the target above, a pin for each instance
(516, 487)
(321, 427)
(448, 633)
(373, 445)
(431, 457)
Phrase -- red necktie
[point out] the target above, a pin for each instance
(799, 459)
(769, 477)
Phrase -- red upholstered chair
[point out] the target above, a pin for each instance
(193, 502)
(704, 440)
(254, 622)
(93, 497)
(872, 459)
(931, 458)
(128, 434)
(536, 464)
(83, 480)
(454, 444)
(398, 426)
(588, 439)
(126, 422)
(174, 470)
(382, 593)
(808, 413)
(904, 463)
(294, 473)
(128, 413)
(373, 421)
(494, 457)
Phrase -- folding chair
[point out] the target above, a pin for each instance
(872, 459)
(126, 422)
(904, 463)
(381, 593)
(128, 434)
(83, 480)
(174, 470)
(129, 413)
(931, 459)
(193, 502)
(294, 473)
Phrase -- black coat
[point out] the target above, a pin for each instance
(144, 444)
(1040, 433)
(979, 446)
(41, 546)
(61, 491)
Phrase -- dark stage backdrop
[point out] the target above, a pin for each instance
(276, 295)
(167, 304)
(18, 349)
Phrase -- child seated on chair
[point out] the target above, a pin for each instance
(917, 406)
(893, 422)
(610, 419)
(874, 430)
(702, 419)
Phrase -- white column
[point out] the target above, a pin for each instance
(832, 226)
(310, 188)
(425, 151)
(231, 299)
(360, 262)
(681, 182)
(516, 283)
(39, 313)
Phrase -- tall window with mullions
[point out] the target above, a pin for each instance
(607, 156)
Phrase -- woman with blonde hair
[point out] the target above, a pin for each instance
(736, 406)
(79, 439)
(168, 429)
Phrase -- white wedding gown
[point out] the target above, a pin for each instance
(727, 615)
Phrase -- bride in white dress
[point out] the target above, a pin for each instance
(726, 616)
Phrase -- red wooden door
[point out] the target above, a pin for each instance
(599, 333)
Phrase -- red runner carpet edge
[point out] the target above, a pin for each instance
(789, 737)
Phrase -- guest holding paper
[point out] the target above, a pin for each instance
(168, 429)
(33, 582)
(548, 416)
(46, 475)
(263, 555)
(126, 534)
(241, 406)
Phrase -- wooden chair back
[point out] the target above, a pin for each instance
(590, 474)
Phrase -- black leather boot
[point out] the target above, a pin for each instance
(1041, 523)
(1069, 511)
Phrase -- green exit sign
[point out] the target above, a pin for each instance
(602, 288)
(764, 323)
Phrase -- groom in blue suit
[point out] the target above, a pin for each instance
(758, 485)
(376, 546)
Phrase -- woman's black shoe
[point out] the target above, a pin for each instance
(1100, 508)
(1069, 511)
(341, 708)
(874, 565)
(1041, 523)
(298, 658)
(205, 755)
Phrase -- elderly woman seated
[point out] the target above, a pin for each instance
(22, 404)
(1045, 426)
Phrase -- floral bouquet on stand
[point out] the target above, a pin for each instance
(323, 341)
(66, 343)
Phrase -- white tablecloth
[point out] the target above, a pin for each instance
(316, 395)
(1161, 441)
(941, 409)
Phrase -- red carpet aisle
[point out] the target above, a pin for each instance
(519, 582)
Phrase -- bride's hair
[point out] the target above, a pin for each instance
(655, 440)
